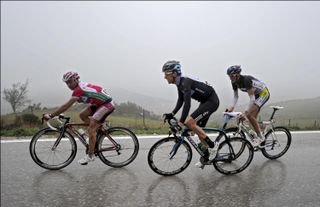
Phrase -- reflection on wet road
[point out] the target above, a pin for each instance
(292, 180)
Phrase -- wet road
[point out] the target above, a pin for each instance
(293, 180)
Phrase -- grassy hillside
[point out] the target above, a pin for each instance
(297, 114)
(304, 113)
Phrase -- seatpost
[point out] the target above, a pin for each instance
(224, 125)
(272, 115)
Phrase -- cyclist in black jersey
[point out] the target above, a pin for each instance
(258, 94)
(204, 93)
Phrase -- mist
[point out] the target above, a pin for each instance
(123, 45)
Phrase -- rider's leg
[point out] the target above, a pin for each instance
(252, 116)
(201, 115)
(92, 130)
(192, 124)
(85, 113)
(254, 110)
(95, 122)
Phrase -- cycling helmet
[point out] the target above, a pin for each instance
(235, 69)
(70, 75)
(172, 66)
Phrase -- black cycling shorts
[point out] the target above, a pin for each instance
(205, 109)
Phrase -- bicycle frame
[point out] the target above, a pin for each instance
(185, 134)
(267, 125)
(66, 126)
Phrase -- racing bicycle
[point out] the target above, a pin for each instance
(54, 148)
(172, 155)
(278, 138)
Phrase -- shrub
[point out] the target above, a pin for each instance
(31, 119)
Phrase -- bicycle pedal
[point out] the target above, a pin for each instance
(205, 161)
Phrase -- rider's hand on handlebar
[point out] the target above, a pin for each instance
(46, 117)
(229, 109)
(167, 116)
(176, 128)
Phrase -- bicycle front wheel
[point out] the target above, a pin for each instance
(228, 160)
(234, 132)
(117, 147)
(44, 152)
(169, 156)
(278, 141)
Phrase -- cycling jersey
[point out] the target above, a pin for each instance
(247, 82)
(91, 94)
(189, 88)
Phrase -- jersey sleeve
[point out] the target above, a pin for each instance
(234, 86)
(186, 99)
(179, 102)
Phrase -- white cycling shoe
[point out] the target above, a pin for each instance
(212, 155)
(86, 160)
(256, 143)
(200, 165)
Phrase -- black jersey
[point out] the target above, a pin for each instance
(189, 88)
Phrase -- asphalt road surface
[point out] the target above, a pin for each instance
(292, 180)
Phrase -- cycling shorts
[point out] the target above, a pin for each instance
(100, 113)
(203, 112)
(262, 98)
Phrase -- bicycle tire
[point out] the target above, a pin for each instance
(271, 144)
(126, 142)
(226, 158)
(159, 154)
(233, 132)
(41, 150)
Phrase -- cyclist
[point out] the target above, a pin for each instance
(100, 106)
(258, 95)
(204, 93)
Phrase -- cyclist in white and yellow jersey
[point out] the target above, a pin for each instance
(258, 95)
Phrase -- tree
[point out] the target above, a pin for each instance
(17, 95)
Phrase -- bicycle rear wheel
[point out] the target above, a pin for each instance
(117, 147)
(160, 157)
(228, 160)
(277, 143)
(46, 156)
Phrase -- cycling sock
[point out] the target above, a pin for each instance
(209, 142)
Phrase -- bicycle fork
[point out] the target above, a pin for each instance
(176, 147)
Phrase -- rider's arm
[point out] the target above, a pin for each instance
(179, 103)
(186, 100)
(251, 97)
(65, 106)
(235, 99)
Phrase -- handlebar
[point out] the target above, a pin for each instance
(61, 119)
(174, 125)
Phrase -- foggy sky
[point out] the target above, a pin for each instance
(125, 44)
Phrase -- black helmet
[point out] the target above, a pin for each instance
(235, 69)
(172, 66)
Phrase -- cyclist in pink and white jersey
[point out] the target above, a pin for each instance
(100, 106)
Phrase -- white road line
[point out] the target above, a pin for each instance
(147, 137)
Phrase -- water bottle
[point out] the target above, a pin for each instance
(203, 148)
(83, 134)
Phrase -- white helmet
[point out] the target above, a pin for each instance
(70, 75)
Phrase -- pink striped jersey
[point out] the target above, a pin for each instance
(91, 94)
